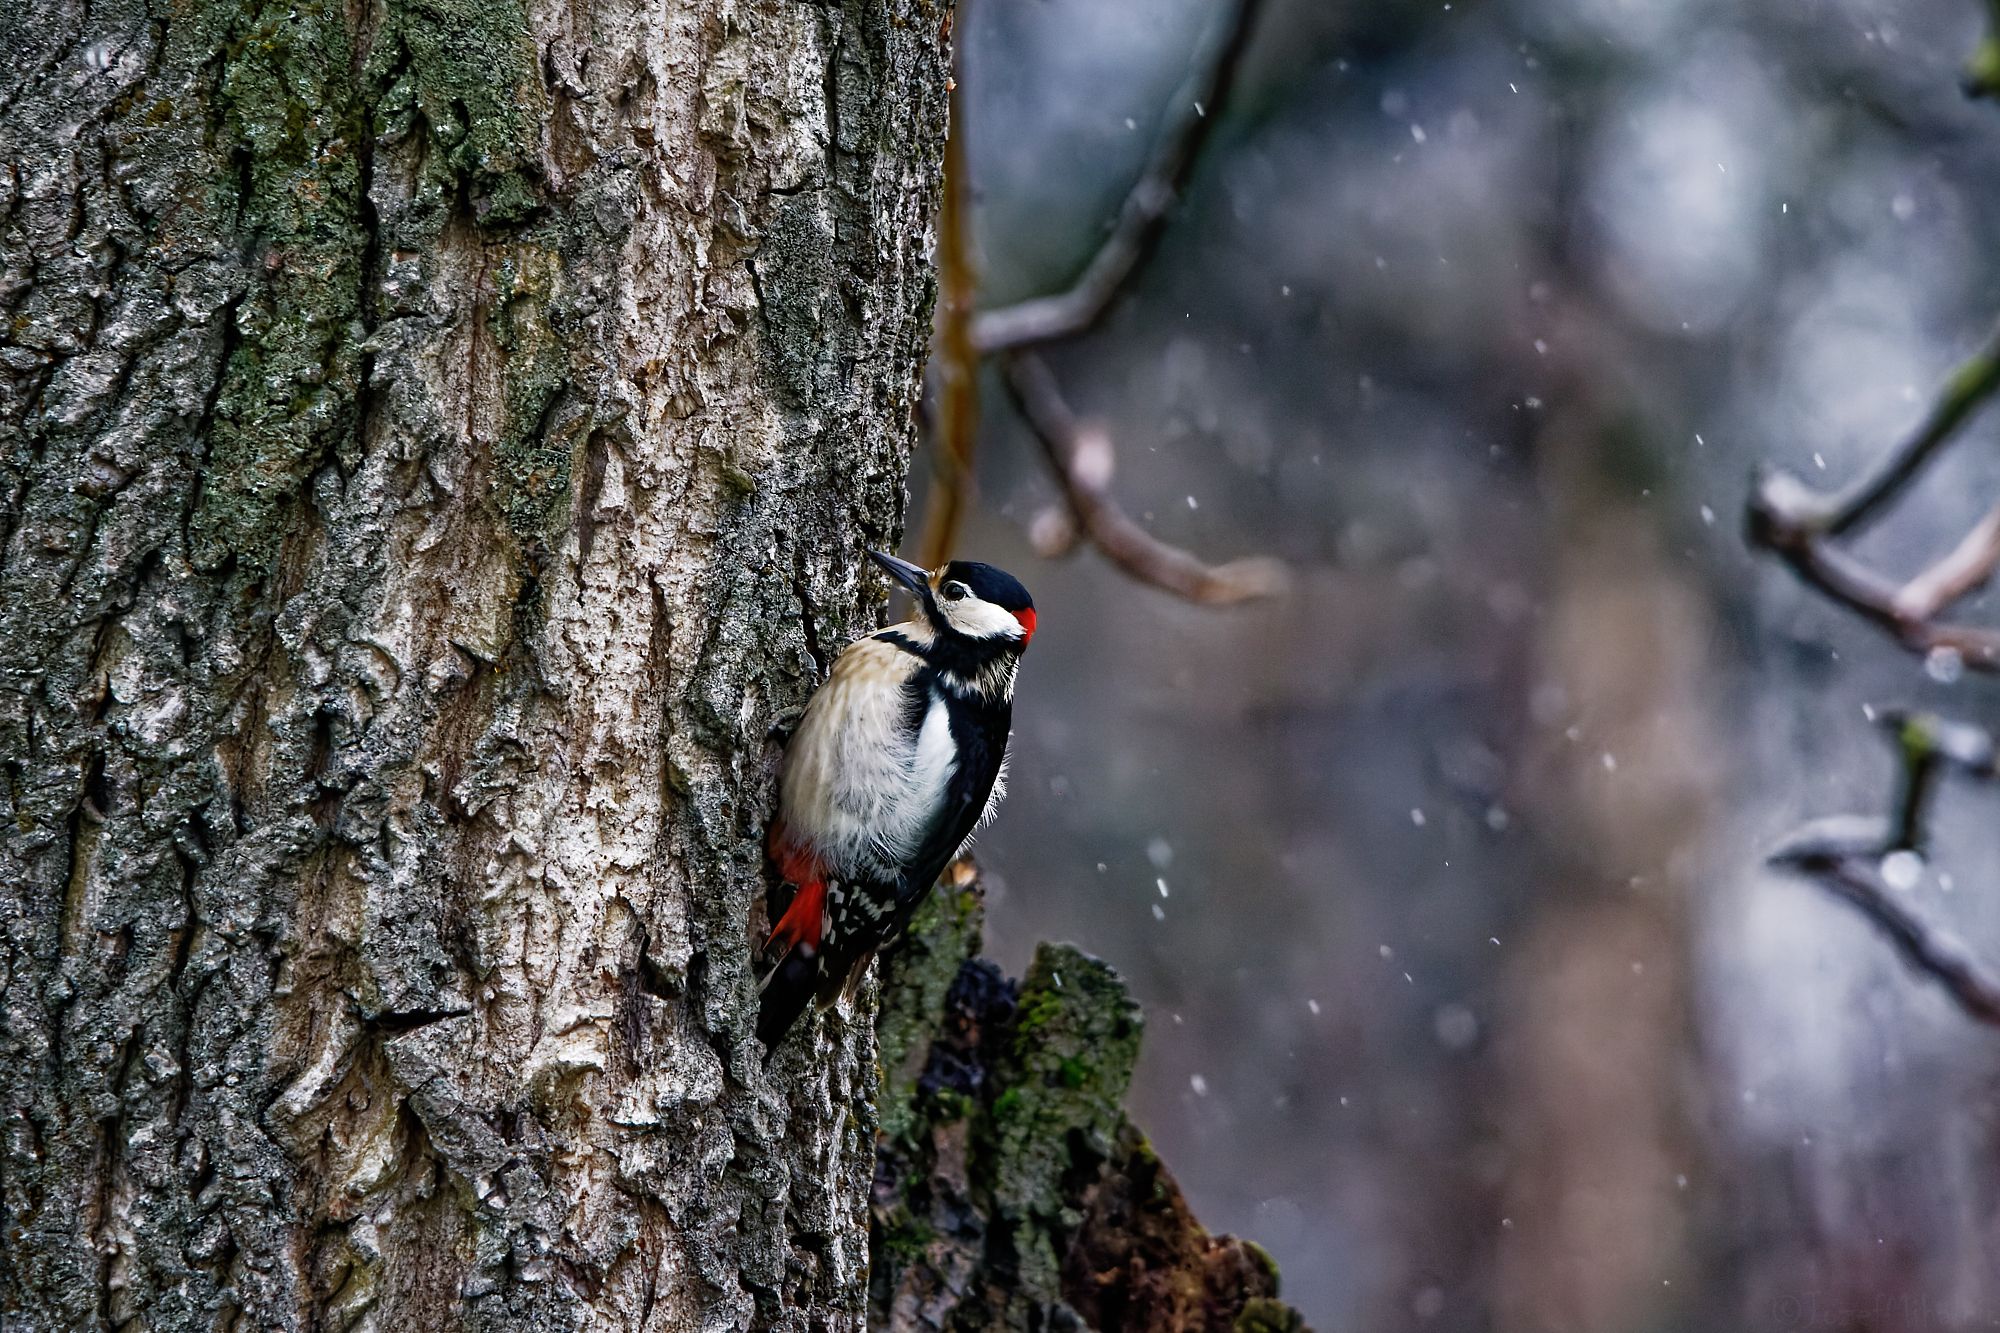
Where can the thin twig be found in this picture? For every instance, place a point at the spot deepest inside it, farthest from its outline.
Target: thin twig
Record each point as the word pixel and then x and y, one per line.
pixel 1799 523
pixel 957 358
pixel 1964 746
pixel 1853 584
pixel 1969 387
pixel 1082 462
pixel 1964 571
pixel 1190 118
pixel 1852 874
pixel 1844 854
pixel 1982 71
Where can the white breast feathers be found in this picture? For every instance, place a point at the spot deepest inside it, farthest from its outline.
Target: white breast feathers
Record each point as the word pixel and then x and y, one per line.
pixel 860 785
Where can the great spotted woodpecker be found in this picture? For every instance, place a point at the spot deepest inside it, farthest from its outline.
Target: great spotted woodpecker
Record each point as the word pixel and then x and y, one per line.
pixel 898 759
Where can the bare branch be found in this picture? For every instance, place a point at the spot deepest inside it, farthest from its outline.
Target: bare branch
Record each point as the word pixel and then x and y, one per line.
pixel 957 424
pixel 1082 462
pixel 1799 523
pixel 1827 855
pixel 1965 570
pixel 1844 854
pixel 1858 587
pixel 1190 118
pixel 1816 514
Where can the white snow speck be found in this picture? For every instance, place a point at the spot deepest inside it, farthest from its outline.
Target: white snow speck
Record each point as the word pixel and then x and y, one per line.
pixel 1902 869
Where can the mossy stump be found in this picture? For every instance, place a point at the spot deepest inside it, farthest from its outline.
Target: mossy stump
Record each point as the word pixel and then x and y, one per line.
pixel 1011 1191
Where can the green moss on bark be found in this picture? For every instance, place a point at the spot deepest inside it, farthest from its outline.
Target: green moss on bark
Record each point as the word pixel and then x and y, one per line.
pixel 1075 1041
pixel 532 461
pixel 287 98
pixel 944 932
pixel 468 68
pixel 461 74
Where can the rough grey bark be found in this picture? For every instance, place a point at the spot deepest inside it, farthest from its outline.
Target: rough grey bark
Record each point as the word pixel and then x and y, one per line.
pixel 439 438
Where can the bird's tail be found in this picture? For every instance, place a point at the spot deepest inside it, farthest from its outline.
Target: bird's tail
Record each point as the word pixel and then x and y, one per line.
pixel 795 942
pixel 786 992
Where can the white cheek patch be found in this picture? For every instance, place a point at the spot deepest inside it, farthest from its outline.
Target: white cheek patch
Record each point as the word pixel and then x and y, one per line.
pixel 979 619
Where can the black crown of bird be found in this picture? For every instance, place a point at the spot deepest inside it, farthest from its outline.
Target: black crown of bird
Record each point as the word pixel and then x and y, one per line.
pixel 900 756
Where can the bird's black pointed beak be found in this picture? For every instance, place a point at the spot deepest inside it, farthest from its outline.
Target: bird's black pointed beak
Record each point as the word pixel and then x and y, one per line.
pixel 914 577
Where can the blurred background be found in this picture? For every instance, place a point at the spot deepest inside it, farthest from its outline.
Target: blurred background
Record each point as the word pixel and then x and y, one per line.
pixel 1441 876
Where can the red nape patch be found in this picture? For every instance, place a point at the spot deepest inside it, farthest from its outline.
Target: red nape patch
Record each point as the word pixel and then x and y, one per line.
pixel 1027 619
pixel 802 921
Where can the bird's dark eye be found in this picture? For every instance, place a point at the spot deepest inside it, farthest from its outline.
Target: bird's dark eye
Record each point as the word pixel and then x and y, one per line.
pixel 953 591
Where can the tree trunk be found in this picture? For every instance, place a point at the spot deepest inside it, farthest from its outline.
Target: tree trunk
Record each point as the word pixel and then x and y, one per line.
pixel 440 437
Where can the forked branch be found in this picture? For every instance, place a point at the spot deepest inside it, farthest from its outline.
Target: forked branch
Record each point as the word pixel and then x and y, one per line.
pixel 1082 460
pixel 1845 856
pixel 1801 525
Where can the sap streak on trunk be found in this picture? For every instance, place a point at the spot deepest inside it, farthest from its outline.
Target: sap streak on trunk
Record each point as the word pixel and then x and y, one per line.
pixel 439 435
